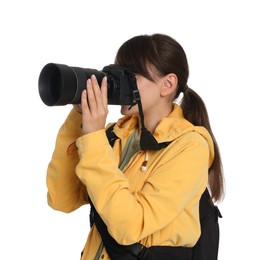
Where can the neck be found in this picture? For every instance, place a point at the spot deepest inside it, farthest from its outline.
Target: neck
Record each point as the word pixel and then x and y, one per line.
pixel 151 120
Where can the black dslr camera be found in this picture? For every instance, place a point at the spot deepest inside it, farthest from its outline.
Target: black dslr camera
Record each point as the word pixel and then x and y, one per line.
pixel 61 85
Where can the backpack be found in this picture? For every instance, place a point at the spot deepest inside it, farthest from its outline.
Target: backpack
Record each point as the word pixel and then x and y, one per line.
pixel 206 247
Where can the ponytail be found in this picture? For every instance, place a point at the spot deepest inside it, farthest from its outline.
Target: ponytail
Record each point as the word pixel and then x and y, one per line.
pixel 195 111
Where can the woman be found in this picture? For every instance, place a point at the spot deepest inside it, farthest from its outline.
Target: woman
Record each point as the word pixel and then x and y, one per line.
pixel 142 195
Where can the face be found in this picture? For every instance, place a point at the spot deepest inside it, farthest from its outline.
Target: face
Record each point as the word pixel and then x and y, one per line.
pixel 150 96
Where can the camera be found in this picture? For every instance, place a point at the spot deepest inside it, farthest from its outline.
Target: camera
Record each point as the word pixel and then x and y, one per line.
pixel 60 84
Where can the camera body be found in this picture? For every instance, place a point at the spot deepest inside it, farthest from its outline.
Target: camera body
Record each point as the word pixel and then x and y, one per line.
pixel 60 84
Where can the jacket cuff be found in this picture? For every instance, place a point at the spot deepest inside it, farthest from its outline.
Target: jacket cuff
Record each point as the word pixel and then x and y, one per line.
pixel 74 120
pixel 92 141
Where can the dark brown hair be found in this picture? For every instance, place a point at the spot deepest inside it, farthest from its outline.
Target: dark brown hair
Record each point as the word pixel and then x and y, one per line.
pixel 165 55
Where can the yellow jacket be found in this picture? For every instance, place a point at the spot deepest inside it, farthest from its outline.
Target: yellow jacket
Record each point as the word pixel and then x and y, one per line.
pixel 157 207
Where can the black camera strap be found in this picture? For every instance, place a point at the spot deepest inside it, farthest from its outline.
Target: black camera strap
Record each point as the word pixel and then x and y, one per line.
pixel 147 140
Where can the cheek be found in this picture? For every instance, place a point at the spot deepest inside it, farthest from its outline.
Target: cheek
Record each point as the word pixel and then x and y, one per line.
pixel 146 91
pixel 149 102
pixel 149 95
pixel 149 92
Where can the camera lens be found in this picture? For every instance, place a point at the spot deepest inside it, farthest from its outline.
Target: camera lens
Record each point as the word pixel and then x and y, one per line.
pixel 60 84
pixel 57 84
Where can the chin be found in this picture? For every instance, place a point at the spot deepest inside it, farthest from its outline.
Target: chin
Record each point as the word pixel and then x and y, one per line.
pixel 128 112
pixel 124 110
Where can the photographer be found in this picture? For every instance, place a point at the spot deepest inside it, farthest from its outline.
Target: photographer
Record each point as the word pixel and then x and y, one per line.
pixel 143 195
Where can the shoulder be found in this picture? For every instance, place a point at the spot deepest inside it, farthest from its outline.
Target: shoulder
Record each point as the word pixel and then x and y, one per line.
pixel 190 146
pixel 190 139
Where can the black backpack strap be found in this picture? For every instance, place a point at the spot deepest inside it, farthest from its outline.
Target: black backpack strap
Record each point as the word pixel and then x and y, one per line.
pixel 111 136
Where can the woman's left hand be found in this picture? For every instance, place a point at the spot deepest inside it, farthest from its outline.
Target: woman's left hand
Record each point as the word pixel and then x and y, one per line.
pixel 94 105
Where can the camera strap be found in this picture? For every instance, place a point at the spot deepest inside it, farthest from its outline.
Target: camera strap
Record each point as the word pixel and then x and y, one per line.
pixel 147 140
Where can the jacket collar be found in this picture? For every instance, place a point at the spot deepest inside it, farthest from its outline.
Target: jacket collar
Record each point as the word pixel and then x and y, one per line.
pixel 168 129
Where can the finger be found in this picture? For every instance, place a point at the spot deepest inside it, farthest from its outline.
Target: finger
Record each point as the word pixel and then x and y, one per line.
pixel 84 104
pixel 104 91
pixel 91 96
pixel 100 94
pixel 97 90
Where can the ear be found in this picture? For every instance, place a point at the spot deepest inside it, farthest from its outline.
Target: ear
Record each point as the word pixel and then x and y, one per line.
pixel 169 85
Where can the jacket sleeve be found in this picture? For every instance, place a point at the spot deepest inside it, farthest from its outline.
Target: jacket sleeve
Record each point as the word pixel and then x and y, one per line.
pixel 65 191
pixel 173 184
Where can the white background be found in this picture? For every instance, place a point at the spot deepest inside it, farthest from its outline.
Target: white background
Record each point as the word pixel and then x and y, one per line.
pixel 223 42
